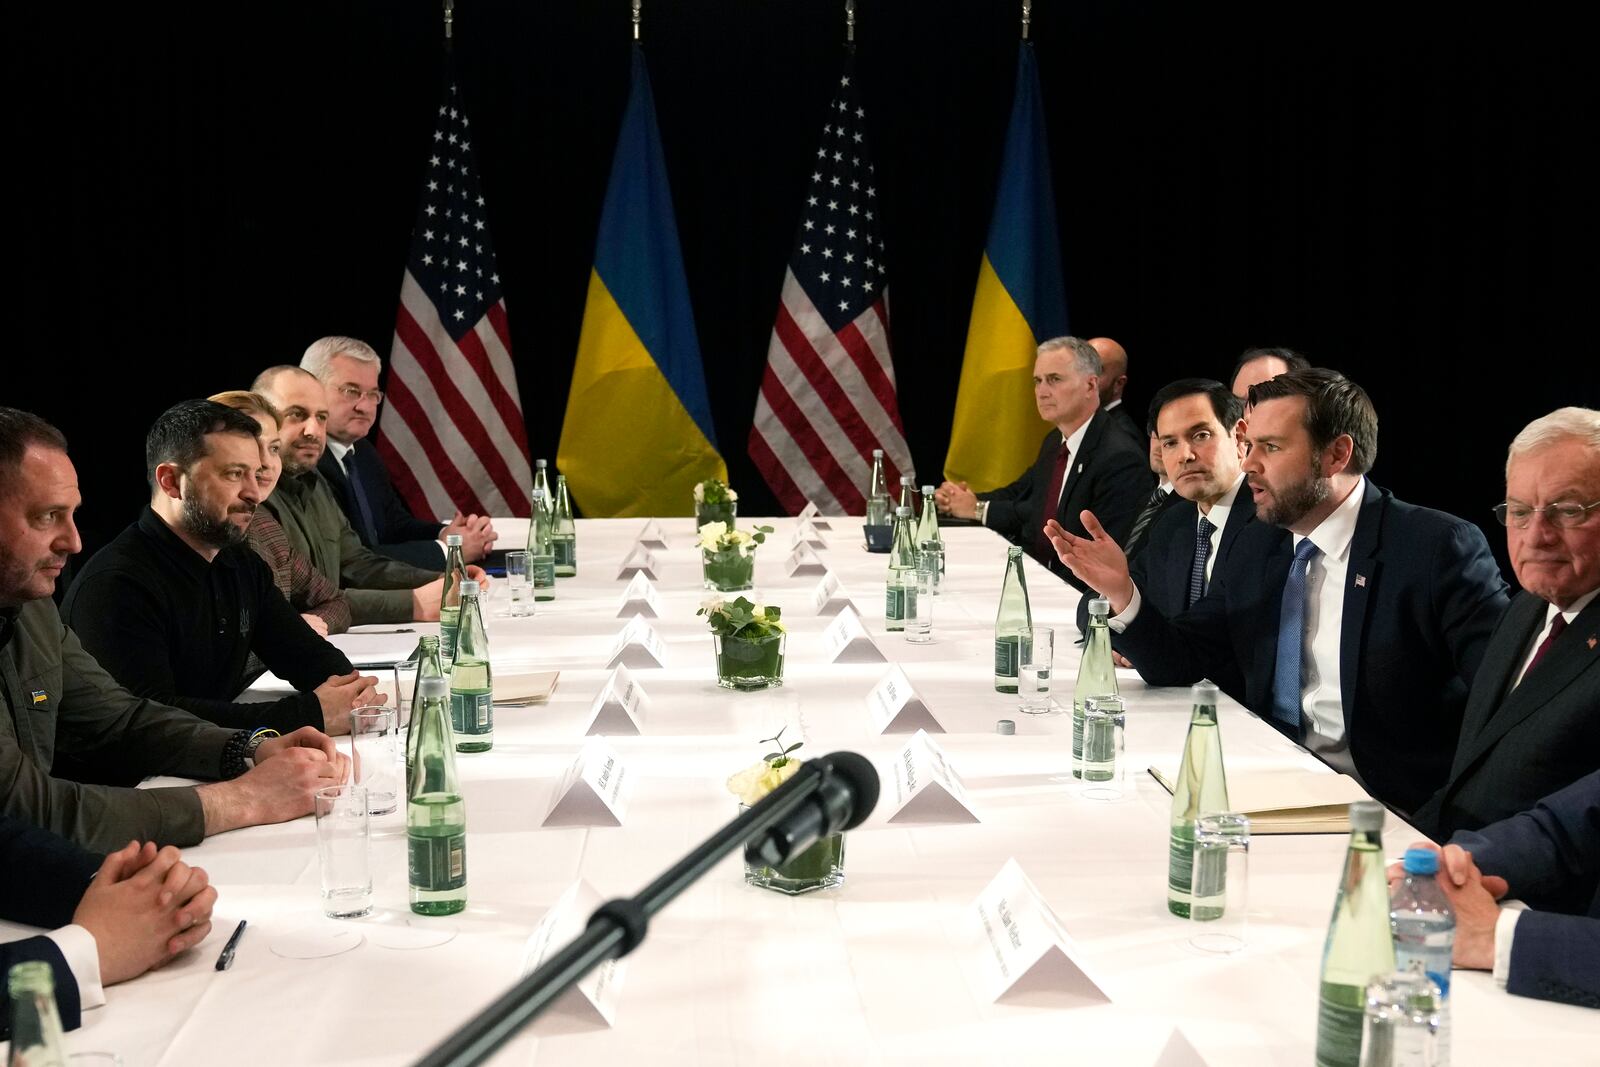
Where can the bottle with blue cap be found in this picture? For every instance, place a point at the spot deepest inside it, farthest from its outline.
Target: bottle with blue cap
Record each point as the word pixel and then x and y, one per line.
pixel 1424 926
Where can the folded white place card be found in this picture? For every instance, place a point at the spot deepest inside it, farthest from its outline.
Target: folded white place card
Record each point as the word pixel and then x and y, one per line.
pixel 1025 954
pixel 830 597
pixel 1179 1053
pixel 620 706
pixel 812 515
pixel 926 788
pixel 652 536
pixel 640 599
pixel 804 562
pixel 639 561
pixel 595 995
pixel 638 645
pixel 594 791
pixel 895 706
pixel 806 534
pixel 847 641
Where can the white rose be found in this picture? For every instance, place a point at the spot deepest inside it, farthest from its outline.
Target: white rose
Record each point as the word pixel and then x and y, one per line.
pixel 753 783
pixel 711 533
pixel 732 496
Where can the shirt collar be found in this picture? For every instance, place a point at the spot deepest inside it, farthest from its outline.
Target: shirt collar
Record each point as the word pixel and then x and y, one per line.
pixel 1334 534
pixel 1113 405
pixel 1076 440
pixel 167 539
pixel 1218 515
pixel 339 450
pixel 1570 612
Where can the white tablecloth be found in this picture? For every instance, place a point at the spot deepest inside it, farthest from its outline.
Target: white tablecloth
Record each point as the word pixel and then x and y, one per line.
pixel 880 970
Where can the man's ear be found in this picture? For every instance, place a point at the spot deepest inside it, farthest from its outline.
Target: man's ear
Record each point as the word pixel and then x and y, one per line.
pixel 168 480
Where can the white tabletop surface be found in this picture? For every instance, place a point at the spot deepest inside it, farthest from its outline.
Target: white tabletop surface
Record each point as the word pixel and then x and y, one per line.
pixel 882 969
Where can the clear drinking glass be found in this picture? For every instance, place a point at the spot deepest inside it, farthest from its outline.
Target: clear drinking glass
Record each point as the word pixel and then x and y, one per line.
pixel 931 554
pixel 344 831
pixel 1402 1023
pixel 405 680
pixel 1220 883
pixel 375 756
pixel 919 627
pixel 1105 763
pixel 517 582
pixel 1033 673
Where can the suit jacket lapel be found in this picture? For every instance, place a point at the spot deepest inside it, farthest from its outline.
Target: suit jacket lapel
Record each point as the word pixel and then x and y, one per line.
pixel 1274 573
pixel 1507 646
pixel 1568 657
pixel 1360 577
pixel 1068 504
pixel 1239 516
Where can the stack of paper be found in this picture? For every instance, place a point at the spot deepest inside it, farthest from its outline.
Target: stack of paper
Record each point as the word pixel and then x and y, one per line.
pixel 1289 802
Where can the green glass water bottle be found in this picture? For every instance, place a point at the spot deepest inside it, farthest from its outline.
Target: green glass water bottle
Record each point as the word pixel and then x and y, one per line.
pixel 471 684
pixel 564 535
pixel 900 584
pixel 36 1039
pixel 541 537
pixel 429 665
pixel 1360 944
pixel 436 816
pixel 1013 624
pixel 1201 789
pixel 1097 675
pixel 928 529
pixel 455 576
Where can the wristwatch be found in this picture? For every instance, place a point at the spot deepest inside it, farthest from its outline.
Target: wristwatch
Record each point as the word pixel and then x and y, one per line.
pixel 254 743
pixel 983 513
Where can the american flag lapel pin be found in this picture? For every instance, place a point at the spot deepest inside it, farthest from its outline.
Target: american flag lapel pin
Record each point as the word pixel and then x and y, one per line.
pixel 1361 581
pixel 1592 642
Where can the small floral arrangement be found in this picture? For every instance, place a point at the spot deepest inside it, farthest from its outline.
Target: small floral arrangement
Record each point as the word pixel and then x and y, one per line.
pixel 712 491
pixel 721 537
pixel 741 619
pixel 775 768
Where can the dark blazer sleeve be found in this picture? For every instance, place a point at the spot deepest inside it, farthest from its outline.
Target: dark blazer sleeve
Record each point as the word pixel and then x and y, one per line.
pixel 1556 957
pixel 42 950
pixel 125 629
pixel 395 521
pixel 1015 506
pixel 44 874
pixel 290 648
pixel 1550 855
pixel 1122 484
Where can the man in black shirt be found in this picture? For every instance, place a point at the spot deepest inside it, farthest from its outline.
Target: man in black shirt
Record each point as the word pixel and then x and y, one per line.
pixel 174 606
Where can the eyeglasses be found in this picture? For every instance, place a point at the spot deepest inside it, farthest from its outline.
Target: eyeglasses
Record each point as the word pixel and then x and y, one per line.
pixel 1565 513
pixel 350 392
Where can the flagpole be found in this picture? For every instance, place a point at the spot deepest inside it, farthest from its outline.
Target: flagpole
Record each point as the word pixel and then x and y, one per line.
pixel 850 22
pixel 636 6
pixel 1027 17
pixel 449 21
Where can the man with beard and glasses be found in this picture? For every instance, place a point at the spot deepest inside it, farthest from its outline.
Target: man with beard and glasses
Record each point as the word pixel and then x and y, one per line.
pixel 1350 620
pixel 175 605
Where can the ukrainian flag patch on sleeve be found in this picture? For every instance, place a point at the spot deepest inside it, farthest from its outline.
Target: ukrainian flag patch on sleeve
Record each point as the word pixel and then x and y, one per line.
pixel 40 696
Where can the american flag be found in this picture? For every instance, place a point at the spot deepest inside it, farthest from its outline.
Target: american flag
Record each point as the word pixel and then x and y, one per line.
pixel 452 433
pixel 828 396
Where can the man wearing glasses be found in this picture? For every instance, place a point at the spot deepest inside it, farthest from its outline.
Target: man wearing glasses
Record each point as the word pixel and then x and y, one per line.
pixel 350 368
pixel 1532 720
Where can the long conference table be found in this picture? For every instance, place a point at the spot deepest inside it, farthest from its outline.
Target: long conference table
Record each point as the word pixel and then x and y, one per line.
pixel 888 967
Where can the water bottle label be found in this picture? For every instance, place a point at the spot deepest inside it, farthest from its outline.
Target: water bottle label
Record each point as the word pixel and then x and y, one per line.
pixel 437 864
pixel 566 553
pixel 543 569
pixel 447 640
pixel 1339 1029
pixel 1077 733
pixel 1180 860
pixel 472 713
pixel 899 603
pixel 1006 656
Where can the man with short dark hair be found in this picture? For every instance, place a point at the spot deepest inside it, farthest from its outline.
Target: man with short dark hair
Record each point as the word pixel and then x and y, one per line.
pixel 349 369
pixel 1256 365
pixel 380 589
pixel 1350 620
pixel 1082 463
pixel 175 604
pixel 57 698
pixel 1532 721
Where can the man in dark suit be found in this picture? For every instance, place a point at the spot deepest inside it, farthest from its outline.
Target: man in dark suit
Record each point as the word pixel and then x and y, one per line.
pixel 350 368
pixel 1113 380
pixel 1548 858
pixel 1258 364
pixel 107 920
pixel 1532 722
pixel 1349 619
pixel 1196 419
pixel 1082 465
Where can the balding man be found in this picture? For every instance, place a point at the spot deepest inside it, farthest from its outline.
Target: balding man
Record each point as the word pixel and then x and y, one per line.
pixel 1256 365
pixel 1113 380
pixel 349 370
pixel 1082 464
pixel 1532 720
pixel 380 589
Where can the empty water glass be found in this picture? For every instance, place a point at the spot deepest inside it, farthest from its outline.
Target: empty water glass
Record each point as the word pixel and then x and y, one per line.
pixel 931 554
pixel 919 627
pixel 1220 883
pixel 344 830
pixel 375 756
pixel 1105 764
pixel 517 582
pixel 1033 673
pixel 1402 1027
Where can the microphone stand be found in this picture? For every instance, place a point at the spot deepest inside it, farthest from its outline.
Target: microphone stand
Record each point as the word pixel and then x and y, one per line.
pixel 618 926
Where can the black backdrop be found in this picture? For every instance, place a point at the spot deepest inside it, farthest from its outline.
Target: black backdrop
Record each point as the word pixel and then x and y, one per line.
pixel 202 190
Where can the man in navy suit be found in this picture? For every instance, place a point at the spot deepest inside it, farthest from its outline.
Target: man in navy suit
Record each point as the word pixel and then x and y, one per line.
pixel 1196 420
pixel 108 920
pixel 350 368
pixel 1083 463
pixel 1549 859
pixel 1532 721
pixel 1349 619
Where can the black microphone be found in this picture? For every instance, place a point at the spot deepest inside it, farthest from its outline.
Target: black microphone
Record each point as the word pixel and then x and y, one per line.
pixel 843 788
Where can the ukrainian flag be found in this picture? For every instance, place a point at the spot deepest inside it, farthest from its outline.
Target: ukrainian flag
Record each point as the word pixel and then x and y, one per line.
pixel 637 434
pixel 1019 304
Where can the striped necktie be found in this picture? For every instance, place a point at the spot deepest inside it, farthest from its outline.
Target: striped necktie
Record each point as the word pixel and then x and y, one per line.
pixel 1202 552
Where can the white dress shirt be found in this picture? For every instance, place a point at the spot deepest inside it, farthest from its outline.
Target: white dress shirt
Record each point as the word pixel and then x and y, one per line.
pixel 1321 700
pixel 1217 516
pixel 82 954
pixel 1551 611
pixel 1073 442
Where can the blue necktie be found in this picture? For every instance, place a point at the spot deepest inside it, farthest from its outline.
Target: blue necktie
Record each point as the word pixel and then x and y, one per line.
pixel 1202 552
pixel 369 531
pixel 1291 639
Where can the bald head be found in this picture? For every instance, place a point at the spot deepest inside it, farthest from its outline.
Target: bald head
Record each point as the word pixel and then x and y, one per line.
pixel 302 400
pixel 1114 375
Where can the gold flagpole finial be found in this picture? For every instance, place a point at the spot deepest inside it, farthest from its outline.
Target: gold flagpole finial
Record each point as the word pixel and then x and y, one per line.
pixel 850 21
pixel 449 18
pixel 1027 17
pixel 636 5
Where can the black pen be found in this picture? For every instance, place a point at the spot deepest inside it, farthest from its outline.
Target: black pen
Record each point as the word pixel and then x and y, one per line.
pixel 225 960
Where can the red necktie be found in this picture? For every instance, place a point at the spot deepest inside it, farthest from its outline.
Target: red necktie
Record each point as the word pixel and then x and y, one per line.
pixel 1047 509
pixel 1544 646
